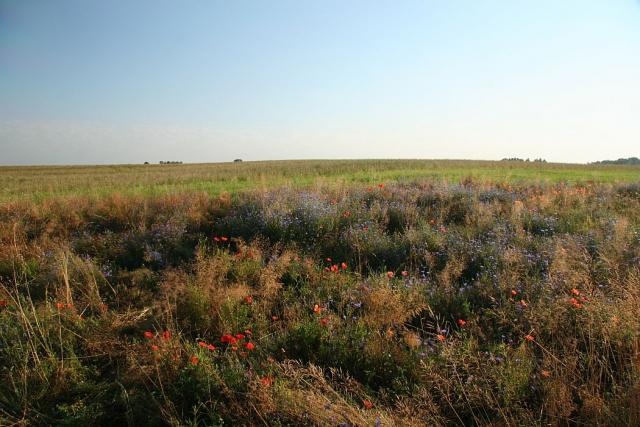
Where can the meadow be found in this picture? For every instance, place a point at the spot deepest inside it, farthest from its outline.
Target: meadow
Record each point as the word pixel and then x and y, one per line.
pixel 349 293
pixel 37 183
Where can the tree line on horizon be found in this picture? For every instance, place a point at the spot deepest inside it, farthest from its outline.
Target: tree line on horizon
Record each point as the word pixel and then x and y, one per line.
pixel 518 159
pixel 621 161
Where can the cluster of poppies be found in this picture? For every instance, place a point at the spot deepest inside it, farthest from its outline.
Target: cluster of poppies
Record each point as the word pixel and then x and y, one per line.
pixel 577 300
pixel 379 186
pixel 206 345
pixel 391 274
pixel 220 239
pixel 165 336
pixel 335 268
pixel 62 306
pixel 247 254
pixel 234 342
pixel 522 303
pixel 442 338
pixel 318 310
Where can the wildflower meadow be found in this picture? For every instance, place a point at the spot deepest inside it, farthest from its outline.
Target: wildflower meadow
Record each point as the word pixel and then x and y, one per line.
pixel 417 302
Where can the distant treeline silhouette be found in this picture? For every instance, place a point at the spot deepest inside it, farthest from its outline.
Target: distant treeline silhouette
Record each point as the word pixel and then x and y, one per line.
pixel 628 161
pixel 169 162
pixel 518 159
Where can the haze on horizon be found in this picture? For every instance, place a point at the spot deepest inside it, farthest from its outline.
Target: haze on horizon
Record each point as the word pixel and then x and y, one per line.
pixel 94 82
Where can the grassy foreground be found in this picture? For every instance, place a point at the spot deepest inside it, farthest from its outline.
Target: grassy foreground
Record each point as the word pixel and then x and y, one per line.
pixel 430 302
pixel 42 182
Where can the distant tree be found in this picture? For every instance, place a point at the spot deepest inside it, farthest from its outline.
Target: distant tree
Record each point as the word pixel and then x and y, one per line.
pixel 518 159
pixel 627 161
pixel 237 161
pixel 146 163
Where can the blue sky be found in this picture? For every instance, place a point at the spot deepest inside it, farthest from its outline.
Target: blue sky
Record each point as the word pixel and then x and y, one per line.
pixel 206 81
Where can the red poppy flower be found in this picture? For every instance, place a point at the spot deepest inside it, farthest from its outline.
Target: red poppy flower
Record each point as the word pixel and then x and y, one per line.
pixel 514 292
pixel 248 299
pixel 166 335
pixel 228 339
pixel 59 306
pixel 324 321
pixel 266 381
pixel 462 322
pixel 194 360
pixel 317 309
pixel 545 374
pixel 575 291
pixel 529 337
pixel 202 344
pixel 367 403
pixel 390 274
pixel 328 260
pixel 249 346
pixel 575 303
pixel 211 347
pixel 343 265
pixel 334 268
pixel 224 239
pixel 441 338
pixel 240 336
pixel 234 348
pixel 148 334
pixel 380 185
pixel 154 347
pixel 216 238
pixel 523 303
pixel 247 331
pixel 274 318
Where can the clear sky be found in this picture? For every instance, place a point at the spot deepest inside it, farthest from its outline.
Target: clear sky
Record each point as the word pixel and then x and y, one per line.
pixel 123 81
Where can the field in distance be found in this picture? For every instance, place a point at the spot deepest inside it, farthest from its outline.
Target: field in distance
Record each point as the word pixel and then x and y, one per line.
pixel 43 182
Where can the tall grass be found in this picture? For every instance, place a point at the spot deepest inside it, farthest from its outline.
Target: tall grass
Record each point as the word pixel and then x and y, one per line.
pixel 394 304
